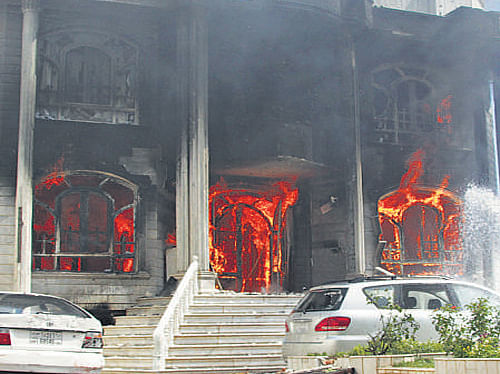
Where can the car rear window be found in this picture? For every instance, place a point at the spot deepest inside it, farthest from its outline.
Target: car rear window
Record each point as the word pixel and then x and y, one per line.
pixel 37 304
pixel 319 300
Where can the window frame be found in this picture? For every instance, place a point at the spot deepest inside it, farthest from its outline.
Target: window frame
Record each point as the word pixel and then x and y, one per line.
pixel 388 124
pixel 113 213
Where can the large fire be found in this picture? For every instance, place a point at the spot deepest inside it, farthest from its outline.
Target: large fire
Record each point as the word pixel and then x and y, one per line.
pixel 77 228
pixel 420 226
pixel 246 235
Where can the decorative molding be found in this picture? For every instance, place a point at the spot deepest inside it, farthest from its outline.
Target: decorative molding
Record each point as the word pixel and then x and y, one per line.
pixel 30 5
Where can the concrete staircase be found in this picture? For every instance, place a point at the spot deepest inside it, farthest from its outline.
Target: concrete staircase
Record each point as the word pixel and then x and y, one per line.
pixel 224 332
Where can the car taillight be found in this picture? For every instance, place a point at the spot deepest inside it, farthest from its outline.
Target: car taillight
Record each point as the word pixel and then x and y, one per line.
pixel 4 337
pixel 333 324
pixel 92 340
pixel 286 327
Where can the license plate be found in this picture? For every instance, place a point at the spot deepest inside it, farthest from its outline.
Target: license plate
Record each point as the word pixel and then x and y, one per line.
pixel 46 337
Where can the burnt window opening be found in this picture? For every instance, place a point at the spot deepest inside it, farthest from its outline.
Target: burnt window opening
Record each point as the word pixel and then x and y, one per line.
pixel 88 76
pixel 84 223
pixel 402 105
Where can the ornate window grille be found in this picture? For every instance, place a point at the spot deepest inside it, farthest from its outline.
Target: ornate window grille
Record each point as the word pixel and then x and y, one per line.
pixel 84 222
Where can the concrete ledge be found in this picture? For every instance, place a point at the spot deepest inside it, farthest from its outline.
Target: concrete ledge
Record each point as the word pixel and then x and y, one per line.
pixel 467 365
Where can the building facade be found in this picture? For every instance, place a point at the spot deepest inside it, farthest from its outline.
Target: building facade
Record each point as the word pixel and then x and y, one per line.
pixel 284 144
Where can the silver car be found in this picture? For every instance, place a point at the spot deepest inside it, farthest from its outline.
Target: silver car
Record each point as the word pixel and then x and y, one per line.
pixel 337 317
pixel 47 334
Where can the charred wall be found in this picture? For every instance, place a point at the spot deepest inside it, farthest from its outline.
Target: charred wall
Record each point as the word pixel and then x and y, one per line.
pixel 131 137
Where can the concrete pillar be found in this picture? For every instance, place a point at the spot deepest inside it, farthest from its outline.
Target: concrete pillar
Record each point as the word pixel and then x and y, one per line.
pixel 193 161
pixel 359 225
pixel 24 187
pixel 491 262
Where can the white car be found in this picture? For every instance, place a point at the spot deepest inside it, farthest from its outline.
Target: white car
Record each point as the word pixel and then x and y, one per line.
pixel 47 334
pixel 337 317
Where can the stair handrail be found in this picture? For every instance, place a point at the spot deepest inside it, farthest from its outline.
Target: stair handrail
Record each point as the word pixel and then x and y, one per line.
pixel 169 323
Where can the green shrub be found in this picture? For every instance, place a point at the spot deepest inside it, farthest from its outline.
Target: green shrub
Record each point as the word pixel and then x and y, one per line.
pixel 404 346
pixel 396 327
pixel 472 332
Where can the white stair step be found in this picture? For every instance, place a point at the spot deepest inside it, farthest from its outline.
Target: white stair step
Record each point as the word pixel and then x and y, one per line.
pixel 129 340
pixel 137 320
pixel 238 307
pixel 221 318
pixel 217 338
pixel 133 351
pixel 156 310
pixel 129 362
pixel 129 330
pixel 224 370
pixel 211 350
pixel 233 361
pixel 128 371
pixel 150 301
pixel 248 299
pixel 227 328
pixel 211 370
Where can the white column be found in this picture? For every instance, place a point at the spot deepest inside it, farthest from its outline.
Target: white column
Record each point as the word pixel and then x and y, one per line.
pixel 193 163
pixel 359 225
pixel 24 187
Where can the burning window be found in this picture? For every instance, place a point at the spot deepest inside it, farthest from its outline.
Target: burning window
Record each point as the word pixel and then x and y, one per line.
pixel 84 223
pixel 420 227
pixel 247 241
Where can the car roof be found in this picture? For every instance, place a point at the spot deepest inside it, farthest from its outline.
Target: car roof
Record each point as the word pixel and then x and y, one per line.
pixel 362 282
pixel 32 294
pixel 41 295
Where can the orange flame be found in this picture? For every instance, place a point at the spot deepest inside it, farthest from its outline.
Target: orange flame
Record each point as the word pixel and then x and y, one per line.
pixel 55 178
pixel 246 229
pixel 444 111
pixel 420 226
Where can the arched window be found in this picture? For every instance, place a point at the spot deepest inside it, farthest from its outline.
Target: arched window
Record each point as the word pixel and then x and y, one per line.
pixel 420 231
pixel 84 222
pixel 88 76
pixel 403 104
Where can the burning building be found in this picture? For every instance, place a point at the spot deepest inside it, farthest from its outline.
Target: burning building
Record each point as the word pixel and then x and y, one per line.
pixel 283 143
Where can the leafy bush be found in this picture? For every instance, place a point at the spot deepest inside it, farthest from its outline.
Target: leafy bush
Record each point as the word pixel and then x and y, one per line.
pixel 397 331
pixel 405 346
pixel 472 332
pixel 396 327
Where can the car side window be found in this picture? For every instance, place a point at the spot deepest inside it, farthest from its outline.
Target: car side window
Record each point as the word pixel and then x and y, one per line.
pixel 424 296
pixel 381 296
pixel 467 294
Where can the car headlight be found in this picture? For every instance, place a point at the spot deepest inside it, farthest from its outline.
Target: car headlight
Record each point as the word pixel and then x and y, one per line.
pixel 92 340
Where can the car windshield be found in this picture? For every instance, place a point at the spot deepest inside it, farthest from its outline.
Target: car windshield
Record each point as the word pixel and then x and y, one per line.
pixel 37 304
pixel 319 300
